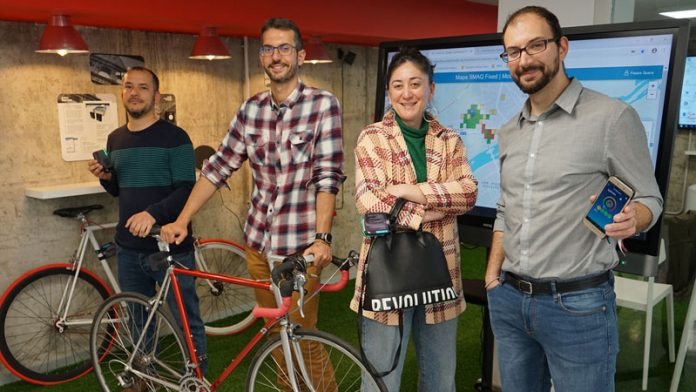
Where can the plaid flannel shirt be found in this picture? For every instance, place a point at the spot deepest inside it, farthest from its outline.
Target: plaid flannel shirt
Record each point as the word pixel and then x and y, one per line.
pixel 294 149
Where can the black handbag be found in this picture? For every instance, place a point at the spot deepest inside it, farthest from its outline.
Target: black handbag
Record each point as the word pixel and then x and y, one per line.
pixel 404 269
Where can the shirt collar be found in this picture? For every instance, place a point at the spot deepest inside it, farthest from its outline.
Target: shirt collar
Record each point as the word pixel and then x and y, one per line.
pixel 566 101
pixel 291 100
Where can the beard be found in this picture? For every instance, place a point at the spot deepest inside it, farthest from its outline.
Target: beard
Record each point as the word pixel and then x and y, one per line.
pixel 547 74
pixel 281 78
pixel 138 113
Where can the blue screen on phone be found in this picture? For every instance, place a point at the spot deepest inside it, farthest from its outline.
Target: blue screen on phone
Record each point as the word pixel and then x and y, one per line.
pixel 609 203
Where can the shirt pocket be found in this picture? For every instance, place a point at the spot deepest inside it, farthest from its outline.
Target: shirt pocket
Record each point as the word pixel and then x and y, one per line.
pixel 302 145
pixel 257 147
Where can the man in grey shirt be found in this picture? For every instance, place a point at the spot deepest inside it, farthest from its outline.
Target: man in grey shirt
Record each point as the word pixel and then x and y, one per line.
pixel 549 282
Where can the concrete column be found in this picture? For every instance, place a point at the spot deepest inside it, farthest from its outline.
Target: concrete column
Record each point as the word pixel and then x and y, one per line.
pixel 623 11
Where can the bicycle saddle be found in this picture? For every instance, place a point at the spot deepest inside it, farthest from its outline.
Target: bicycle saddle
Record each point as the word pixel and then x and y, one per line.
pixel 74 212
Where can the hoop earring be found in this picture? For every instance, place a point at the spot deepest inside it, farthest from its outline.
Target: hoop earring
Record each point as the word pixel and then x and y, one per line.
pixel 430 111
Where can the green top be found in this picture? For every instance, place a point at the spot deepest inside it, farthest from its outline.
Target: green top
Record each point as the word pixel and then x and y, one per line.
pixel 415 141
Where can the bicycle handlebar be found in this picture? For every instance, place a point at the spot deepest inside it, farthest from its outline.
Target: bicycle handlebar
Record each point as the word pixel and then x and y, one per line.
pixel 259 312
pixel 289 276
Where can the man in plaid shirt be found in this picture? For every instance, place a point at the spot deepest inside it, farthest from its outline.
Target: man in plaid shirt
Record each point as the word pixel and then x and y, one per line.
pixel 291 137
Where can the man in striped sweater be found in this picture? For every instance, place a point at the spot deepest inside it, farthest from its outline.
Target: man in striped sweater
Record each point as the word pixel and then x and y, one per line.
pixel 153 174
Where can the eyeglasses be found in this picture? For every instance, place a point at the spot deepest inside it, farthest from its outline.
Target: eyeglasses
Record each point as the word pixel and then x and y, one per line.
pixel 284 49
pixel 534 47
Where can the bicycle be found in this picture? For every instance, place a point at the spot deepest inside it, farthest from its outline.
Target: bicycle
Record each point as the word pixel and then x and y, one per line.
pixel 46 313
pixel 148 349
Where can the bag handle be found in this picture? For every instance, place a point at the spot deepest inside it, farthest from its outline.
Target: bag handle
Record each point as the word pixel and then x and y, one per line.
pixel 396 209
pixel 364 358
pixel 393 214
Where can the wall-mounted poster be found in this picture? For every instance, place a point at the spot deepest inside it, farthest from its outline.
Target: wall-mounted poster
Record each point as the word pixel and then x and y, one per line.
pixel 85 121
pixel 167 108
pixel 110 68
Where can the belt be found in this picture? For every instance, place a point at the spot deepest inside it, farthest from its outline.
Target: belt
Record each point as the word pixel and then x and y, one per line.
pixel 546 287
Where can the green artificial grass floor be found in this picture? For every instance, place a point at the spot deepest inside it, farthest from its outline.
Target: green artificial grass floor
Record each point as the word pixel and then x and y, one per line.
pixel 336 318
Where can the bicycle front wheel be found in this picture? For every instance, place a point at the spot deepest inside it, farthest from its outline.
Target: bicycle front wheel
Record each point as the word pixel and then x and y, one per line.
pixel 225 308
pixel 321 360
pixel 140 355
pixel 37 343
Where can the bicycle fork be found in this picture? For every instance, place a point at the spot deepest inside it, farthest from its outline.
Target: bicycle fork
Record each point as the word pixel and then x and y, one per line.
pixel 290 344
pixel 141 351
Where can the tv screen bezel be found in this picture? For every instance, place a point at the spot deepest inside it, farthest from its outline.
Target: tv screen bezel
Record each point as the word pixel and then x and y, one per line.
pixel 481 217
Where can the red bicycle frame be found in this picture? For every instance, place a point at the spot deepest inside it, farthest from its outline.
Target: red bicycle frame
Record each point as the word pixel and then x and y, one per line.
pixel 271 314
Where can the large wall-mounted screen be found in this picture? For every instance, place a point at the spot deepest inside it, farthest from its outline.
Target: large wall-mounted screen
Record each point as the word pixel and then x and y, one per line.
pixel 687 109
pixel 641 64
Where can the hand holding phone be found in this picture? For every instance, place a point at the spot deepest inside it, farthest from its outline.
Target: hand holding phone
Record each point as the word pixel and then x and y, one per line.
pixel 610 201
pixel 375 224
pixel 102 157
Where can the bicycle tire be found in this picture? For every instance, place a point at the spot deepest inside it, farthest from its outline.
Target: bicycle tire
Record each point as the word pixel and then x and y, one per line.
pixel 225 308
pixel 343 368
pixel 164 361
pixel 31 345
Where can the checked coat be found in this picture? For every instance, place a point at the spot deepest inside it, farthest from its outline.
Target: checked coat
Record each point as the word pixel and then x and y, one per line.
pixel 382 159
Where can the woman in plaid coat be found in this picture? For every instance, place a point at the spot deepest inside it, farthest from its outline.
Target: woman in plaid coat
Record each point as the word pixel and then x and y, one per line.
pixel 410 155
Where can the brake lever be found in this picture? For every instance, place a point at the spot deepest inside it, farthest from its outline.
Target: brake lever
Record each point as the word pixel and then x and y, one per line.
pixel 300 281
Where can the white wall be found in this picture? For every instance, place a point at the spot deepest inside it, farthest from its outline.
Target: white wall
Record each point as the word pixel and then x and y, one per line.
pixel 569 12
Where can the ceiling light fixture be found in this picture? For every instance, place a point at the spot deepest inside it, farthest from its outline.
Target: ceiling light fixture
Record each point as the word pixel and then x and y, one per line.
pixel 315 52
pixel 209 46
pixel 680 14
pixel 61 37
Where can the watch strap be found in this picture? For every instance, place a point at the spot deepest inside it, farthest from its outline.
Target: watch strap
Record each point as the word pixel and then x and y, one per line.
pixel 326 237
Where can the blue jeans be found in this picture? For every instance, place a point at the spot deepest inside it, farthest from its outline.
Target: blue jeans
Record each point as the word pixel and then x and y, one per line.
pixel 436 350
pixel 570 338
pixel 135 275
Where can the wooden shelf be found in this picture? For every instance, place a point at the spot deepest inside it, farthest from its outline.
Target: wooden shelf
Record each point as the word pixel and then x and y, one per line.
pixel 65 190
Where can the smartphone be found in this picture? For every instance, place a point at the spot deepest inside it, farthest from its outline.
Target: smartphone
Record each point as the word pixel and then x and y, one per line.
pixel 102 157
pixel 375 224
pixel 610 201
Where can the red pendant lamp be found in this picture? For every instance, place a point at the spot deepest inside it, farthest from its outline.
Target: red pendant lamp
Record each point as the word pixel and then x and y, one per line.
pixel 315 51
pixel 209 46
pixel 61 37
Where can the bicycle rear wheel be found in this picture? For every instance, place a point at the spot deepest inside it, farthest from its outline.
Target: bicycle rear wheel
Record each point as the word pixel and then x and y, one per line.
pixel 225 308
pixel 337 367
pixel 159 363
pixel 35 344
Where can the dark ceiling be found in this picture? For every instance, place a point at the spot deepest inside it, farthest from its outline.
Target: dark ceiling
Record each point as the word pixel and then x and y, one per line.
pixel 362 22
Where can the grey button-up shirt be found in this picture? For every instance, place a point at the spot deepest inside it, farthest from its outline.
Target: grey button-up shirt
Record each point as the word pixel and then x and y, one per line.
pixel 549 167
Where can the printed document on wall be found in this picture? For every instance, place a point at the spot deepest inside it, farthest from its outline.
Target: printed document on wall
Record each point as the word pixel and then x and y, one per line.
pixel 85 121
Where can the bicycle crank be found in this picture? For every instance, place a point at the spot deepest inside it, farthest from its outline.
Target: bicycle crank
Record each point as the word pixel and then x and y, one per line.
pixel 193 384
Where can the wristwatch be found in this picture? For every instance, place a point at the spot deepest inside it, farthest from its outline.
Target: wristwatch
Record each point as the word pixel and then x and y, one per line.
pixel 326 237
